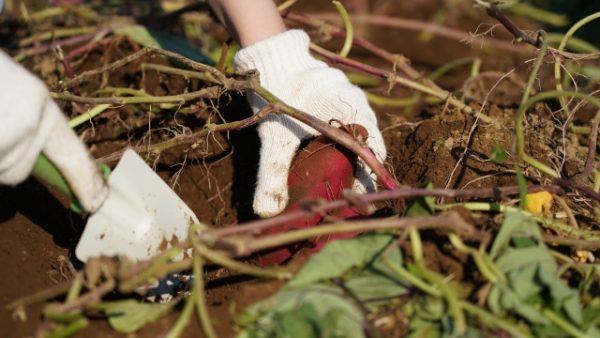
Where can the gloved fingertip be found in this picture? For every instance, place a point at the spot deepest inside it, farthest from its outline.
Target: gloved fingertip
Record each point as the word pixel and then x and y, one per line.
pixel 270 203
pixel 93 203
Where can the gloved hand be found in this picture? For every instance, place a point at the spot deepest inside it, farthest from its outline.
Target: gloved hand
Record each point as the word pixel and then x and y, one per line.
pixel 31 123
pixel 288 70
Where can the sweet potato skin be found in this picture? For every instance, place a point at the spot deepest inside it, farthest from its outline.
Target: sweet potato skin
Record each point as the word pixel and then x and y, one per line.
pixel 320 171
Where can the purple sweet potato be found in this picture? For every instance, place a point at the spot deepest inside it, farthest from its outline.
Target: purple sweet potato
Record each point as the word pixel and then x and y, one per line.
pixel 320 171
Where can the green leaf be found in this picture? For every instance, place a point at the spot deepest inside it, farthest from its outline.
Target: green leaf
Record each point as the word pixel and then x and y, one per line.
pixel 564 298
pixel 511 301
pixel 139 34
pixel 591 315
pixel 425 331
pixel 549 330
pixel 498 154
pixel 128 316
pixel 336 315
pixel 163 40
pixel 340 256
pixel 533 283
pixel 421 206
pixel 593 332
pixel 375 290
pixel 180 45
pixel 515 224
pixel 523 282
pixel 514 259
pixel 592 72
pixel 302 323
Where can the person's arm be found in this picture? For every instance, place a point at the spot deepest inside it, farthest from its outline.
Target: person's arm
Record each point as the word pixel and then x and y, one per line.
pixel 249 21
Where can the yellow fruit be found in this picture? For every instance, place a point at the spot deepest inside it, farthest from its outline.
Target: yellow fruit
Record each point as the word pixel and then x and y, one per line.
pixel 537 202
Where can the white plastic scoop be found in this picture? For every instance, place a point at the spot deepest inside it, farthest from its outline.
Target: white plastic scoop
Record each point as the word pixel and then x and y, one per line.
pixel 140 217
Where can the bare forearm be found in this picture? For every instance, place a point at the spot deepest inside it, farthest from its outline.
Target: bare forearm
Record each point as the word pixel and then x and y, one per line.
pixel 249 21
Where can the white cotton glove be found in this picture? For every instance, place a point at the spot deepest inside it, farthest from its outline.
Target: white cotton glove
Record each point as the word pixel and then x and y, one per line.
pixel 291 73
pixel 31 123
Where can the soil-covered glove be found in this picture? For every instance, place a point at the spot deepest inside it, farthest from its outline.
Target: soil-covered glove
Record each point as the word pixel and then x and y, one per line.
pixel 31 123
pixel 290 72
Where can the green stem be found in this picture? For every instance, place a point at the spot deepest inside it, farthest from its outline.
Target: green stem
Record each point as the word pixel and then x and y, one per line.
pixel 363 80
pixel 40 296
pixel 406 276
pixel 536 66
pixel 558 227
pixel 579 129
pixel 558 59
pixel 231 264
pixel 46 13
pixel 416 246
pixel 120 91
pixel 574 43
pixel 209 92
pixel 520 139
pixel 487 268
pixel 69 330
pixel 60 317
pixel 56 33
pixel 522 187
pixel 221 259
pixel 450 221
pixel 450 296
pixel 347 27
pixel 445 68
pixel 384 101
pixel 495 321
pixel 476 67
pixel 440 94
pixel 563 324
pixel 184 317
pixel 75 288
pixel 532 12
pixel 88 115
pixel 504 4
pixel 440 71
pixel 201 310
pixel 519 128
pixel 150 272
pixel 186 74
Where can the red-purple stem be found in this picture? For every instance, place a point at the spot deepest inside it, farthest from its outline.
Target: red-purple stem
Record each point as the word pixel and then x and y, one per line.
pixel 61 43
pixel 258 226
pixel 574 186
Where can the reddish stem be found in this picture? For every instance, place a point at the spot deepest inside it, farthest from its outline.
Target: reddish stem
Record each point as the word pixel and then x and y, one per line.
pixel 395 59
pixel 60 43
pixel 69 73
pixel 578 187
pixel 99 40
pixel 436 29
pixel 258 226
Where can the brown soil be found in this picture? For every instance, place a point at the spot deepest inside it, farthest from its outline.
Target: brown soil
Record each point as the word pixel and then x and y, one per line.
pixel 37 233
